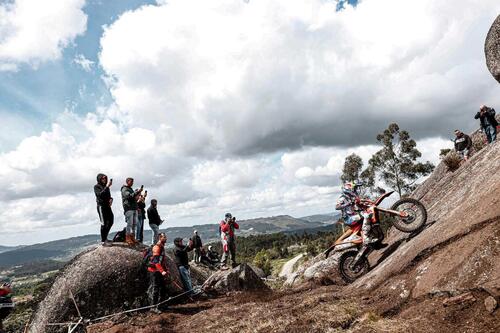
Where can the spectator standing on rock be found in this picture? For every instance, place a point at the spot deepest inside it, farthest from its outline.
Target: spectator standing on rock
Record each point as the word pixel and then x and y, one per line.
pixel 104 202
pixel 158 272
pixel 141 216
pixel 486 116
pixel 129 200
pixel 154 220
pixel 463 144
pixel 227 228
pixel 197 244
pixel 182 262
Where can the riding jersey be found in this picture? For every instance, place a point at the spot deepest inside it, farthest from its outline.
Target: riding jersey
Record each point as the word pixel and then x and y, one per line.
pixel 349 209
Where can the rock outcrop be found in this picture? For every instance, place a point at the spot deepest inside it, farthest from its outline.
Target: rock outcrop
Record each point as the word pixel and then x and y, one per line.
pixel 241 278
pixel 492 49
pixel 290 266
pixel 103 280
pixel 318 270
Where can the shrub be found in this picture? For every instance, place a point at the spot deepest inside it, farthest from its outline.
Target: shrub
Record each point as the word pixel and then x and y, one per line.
pixel 452 160
pixel 478 142
pixel 311 249
pixel 444 152
pixel 263 261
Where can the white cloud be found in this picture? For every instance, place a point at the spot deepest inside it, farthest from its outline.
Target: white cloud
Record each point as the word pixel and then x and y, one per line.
pixel 33 31
pixel 83 62
pixel 241 78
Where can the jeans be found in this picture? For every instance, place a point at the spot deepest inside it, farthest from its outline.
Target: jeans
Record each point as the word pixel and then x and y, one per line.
pixel 185 278
pixel 156 230
pixel 106 217
pixel 139 235
pixel 131 220
pixel 491 133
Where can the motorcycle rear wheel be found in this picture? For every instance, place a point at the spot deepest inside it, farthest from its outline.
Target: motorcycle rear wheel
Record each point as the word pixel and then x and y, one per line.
pixel 417 215
pixel 348 274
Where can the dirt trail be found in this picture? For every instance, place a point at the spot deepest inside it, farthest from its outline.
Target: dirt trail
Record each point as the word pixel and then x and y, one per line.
pixel 322 309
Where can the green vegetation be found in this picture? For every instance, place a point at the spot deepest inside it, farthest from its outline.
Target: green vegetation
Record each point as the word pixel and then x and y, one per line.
pixel 396 163
pixel 352 171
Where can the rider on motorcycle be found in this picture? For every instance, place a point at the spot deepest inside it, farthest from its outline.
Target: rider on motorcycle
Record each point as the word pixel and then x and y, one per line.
pixel 352 213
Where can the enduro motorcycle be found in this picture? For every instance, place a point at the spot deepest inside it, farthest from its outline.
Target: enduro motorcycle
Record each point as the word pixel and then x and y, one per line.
pixel 407 215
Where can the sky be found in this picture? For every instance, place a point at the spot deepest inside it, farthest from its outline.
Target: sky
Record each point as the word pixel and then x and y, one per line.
pixel 247 106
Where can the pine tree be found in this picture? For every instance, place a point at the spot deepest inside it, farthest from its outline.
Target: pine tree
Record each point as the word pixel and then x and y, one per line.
pixel 396 163
pixel 352 171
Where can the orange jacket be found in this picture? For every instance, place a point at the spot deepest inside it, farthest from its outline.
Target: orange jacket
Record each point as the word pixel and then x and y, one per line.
pixel 158 262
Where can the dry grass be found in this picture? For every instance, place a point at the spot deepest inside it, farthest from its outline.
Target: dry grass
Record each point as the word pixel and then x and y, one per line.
pixel 452 161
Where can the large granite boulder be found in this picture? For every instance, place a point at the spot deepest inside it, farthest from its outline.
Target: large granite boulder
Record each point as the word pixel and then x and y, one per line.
pixel 241 278
pixel 492 49
pixel 104 280
pixel 319 270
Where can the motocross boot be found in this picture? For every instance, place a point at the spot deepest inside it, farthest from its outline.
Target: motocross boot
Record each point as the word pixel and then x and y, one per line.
pixel 365 229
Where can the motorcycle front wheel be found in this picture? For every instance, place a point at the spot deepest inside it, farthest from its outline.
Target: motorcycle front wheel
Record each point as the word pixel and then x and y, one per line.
pixel 350 274
pixel 416 215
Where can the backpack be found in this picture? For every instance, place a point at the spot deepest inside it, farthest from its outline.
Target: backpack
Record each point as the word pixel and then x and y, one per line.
pixel 120 236
pixel 147 254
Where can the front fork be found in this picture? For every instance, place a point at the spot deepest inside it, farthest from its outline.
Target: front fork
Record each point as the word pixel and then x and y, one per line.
pixel 363 252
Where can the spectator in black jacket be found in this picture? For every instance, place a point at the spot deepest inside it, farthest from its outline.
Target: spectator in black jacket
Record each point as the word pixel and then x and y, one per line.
pixel 182 262
pixel 104 202
pixel 154 220
pixel 197 245
pixel 489 124
pixel 463 144
pixel 212 255
pixel 141 216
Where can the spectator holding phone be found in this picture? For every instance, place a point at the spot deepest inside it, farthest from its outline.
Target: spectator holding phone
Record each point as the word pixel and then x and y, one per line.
pixel 104 202
pixel 129 201
pixel 141 216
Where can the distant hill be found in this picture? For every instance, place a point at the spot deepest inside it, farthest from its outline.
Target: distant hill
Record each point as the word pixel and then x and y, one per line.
pixel 65 249
pixel 8 248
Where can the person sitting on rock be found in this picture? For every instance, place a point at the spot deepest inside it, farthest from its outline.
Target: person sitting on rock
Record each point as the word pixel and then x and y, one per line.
pixel 212 255
pixel 182 262
pixel 463 144
pixel 158 272
pixel 351 213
